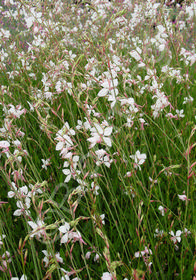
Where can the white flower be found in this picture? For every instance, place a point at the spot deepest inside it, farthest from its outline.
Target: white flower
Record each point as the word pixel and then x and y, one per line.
pixel 58 258
pixel 96 258
pixel 102 218
pixel 106 276
pixel 4 144
pixel 65 277
pixel 66 274
pixel 65 141
pixel 22 207
pixel 108 85
pixel 103 158
pixel 142 253
pixel 162 210
pixel 48 257
pixel 4 33
pixel 71 171
pixel 68 173
pixel 88 254
pixel 180 113
pixel 75 235
pixel 182 197
pixel 34 189
pixel 1 238
pixel 45 163
pixel 186 231
pixel 31 106
pixel 64 229
pixel 17 143
pixel 12 193
pixel 158 233
pixel 135 55
pixel 37 228
pixel 22 278
pixel 94 188
pixel 131 102
pixel 16 111
pixel 72 56
pixel 139 159
pixel 176 237
pixel 188 99
pixel 112 97
pixel 100 133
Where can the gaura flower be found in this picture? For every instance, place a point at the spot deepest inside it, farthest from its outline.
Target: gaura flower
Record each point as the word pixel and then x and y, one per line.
pixel 106 276
pixel 176 237
pixel 162 210
pixel 37 227
pixel 139 159
pixel 65 230
pixel 100 134
pixel 22 278
pixel 4 144
pixel 182 197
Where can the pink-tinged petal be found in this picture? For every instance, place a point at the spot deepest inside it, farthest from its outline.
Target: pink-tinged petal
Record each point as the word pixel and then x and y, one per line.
pixel 172 233
pixel 87 256
pixel 98 128
pixel 93 141
pixel 106 83
pixel 178 238
pixel 65 228
pixel 66 164
pixel 108 141
pixel 65 277
pixel 96 258
pixel 182 197
pixel 24 190
pixel 142 160
pixel 27 202
pixel 68 140
pixel 108 131
pixel 64 239
pixel 137 254
pixel 162 210
pixel 66 171
pixel 58 258
pixel 59 146
pixel 186 231
pixel 67 179
pixel 4 144
pixel 32 224
pixel 103 92
pixel 19 204
pixel 115 83
pixel 11 194
pixel 135 55
pixel 45 252
pixel 46 260
pixel 106 276
pixel 178 232
pixel 18 212
pixel 68 155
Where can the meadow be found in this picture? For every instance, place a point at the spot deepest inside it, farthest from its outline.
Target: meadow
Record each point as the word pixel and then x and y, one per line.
pixel 97 140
